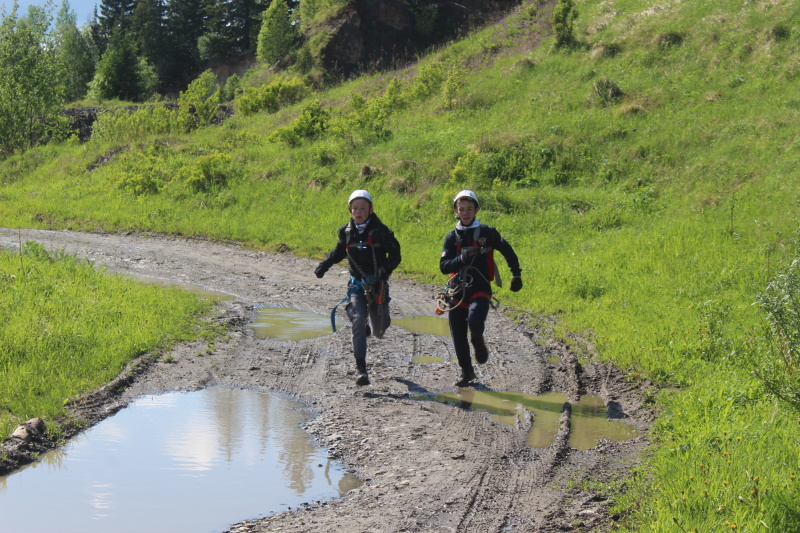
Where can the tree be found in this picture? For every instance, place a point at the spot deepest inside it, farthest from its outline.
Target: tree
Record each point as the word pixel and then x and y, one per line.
pixel 150 33
pixel 232 28
pixel 278 34
pixel 186 23
pixel 113 14
pixel 76 53
pixel 31 93
pixel 121 73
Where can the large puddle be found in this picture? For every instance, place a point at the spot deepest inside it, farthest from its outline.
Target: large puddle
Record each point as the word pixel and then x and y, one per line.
pixel 287 324
pixel 588 423
pixel 176 462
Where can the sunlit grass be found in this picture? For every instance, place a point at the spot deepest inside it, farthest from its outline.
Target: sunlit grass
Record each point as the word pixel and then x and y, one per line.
pixel 69 328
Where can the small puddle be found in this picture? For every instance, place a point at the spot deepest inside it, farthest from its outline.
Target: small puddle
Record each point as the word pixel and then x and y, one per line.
pixel 176 462
pixel 426 359
pixel 286 324
pixel 588 423
pixel 432 325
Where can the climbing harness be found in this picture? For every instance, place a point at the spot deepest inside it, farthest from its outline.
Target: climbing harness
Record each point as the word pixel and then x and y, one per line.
pixel 452 295
pixel 375 293
pixel 373 287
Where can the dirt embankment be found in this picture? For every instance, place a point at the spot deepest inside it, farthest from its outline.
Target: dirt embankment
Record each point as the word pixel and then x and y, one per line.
pixel 426 465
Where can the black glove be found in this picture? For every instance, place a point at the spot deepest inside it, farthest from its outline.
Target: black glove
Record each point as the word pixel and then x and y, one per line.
pixel 516 283
pixel 320 270
pixel 382 274
pixel 469 252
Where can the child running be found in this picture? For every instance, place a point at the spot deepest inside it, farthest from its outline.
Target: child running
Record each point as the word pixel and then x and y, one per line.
pixel 468 257
pixel 373 253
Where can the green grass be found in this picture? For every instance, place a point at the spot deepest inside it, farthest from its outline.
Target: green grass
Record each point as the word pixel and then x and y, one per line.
pixel 69 328
pixel 647 178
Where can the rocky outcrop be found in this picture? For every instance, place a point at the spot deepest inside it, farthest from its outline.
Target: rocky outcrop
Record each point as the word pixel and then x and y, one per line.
pixel 81 120
pixel 386 33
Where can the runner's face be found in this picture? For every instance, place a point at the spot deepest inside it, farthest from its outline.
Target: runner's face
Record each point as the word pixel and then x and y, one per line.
pixel 465 211
pixel 360 210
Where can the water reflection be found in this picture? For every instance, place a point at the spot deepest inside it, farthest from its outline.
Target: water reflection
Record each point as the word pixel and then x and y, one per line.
pixel 175 462
pixel 286 324
pixel 588 422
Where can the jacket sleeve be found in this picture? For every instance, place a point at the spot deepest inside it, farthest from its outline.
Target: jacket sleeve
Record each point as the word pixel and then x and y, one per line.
pixel 393 256
pixel 450 261
pixel 502 246
pixel 337 254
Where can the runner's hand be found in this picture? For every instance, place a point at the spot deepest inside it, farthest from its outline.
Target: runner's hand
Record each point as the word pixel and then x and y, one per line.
pixel 516 283
pixel 469 252
pixel 320 271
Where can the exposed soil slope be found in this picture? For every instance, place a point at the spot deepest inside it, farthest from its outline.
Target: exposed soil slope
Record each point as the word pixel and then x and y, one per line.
pixel 426 465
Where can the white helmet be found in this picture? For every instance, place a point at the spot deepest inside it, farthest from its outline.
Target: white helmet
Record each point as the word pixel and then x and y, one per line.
pixel 466 194
pixel 360 194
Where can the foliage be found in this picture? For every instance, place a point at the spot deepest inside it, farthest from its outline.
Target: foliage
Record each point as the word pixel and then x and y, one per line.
pixel 776 362
pixel 125 124
pixel 121 73
pixel 231 28
pixel 76 54
pixel 179 62
pixel 30 90
pixel 197 107
pixel 199 103
pixel 311 124
pixel 278 35
pixel 564 16
pixel 206 174
pixel 231 88
pixel 280 93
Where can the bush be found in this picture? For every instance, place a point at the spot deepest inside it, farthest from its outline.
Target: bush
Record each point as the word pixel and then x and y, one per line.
pixel 207 173
pixel 126 124
pixel 564 16
pixel 311 124
pixel 272 97
pixel 199 103
pixel 776 360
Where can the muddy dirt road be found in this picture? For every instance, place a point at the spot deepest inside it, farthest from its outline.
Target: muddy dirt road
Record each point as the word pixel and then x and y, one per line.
pixel 426 466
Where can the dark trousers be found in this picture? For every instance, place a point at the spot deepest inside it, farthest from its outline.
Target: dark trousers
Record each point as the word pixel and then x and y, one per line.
pixel 357 311
pixel 473 319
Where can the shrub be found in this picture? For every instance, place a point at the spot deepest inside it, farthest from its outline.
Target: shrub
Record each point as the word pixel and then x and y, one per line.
pixel 272 97
pixel 564 16
pixel 365 121
pixel 776 360
pixel 199 103
pixel 127 124
pixel 484 168
pixel 311 124
pixel 207 173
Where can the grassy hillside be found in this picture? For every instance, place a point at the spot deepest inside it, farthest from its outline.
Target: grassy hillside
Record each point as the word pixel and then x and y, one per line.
pixel 646 175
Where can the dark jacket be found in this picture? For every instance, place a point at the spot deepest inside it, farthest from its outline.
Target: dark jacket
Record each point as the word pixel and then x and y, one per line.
pixel 374 252
pixel 451 261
